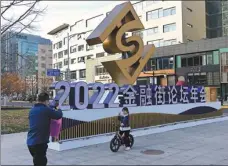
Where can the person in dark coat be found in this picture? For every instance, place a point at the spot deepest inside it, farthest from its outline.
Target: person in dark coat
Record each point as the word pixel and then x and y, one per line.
pixel 40 117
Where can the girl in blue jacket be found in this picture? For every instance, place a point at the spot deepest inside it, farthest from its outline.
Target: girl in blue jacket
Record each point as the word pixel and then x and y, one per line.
pixel 125 126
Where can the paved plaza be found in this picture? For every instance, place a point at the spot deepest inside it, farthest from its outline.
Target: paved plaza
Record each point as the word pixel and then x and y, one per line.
pixel 205 144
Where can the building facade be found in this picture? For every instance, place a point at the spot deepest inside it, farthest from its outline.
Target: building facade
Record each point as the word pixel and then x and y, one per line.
pixel 216 18
pixel 198 62
pixel 44 62
pixel 18 53
pixel 166 23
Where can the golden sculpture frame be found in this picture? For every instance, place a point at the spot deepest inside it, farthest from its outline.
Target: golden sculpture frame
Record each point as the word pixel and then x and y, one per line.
pixel 111 32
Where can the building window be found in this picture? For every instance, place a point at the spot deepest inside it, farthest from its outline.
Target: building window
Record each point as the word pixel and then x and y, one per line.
pixel 151 65
pixel 59 45
pixel 65 40
pixel 73 61
pixel 43 58
pixel 193 61
pixel 216 57
pixel 60 65
pixel 197 79
pixel 154 14
pixel 164 63
pixel 89 56
pixel 183 62
pixel 81 48
pixel 65 62
pixel 138 33
pixel 82 73
pixel 73 48
pixel 60 54
pixel 152 31
pixel 65 52
pixel 100 70
pixel 210 78
pixel 88 48
pixel 209 58
pixel 79 36
pixel 43 65
pixel 190 25
pixel 196 60
pixel 171 80
pixel 157 43
pixel 171 63
pixel 73 75
pixel 216 76
pixel 190 61
pixel 169 27
pixel 81 59
pixel 98 55
pixel 55 55
pixel 170 42
pixel 169 11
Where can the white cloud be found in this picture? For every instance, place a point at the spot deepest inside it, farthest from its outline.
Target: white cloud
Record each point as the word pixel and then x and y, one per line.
pixel 59 12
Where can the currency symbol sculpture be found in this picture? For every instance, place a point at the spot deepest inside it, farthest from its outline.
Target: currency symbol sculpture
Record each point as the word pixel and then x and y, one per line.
pixel 111 32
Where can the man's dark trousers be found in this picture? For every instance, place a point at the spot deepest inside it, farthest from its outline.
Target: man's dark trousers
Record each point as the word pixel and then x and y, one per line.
pixel 38 153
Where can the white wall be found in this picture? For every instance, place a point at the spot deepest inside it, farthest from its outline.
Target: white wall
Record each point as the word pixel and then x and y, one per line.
pixel 178 34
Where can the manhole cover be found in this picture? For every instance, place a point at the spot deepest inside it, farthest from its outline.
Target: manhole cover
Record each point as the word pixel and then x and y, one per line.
pixel 153 152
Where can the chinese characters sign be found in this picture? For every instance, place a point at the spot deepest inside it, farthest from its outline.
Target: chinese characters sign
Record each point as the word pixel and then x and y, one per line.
pixel 128 95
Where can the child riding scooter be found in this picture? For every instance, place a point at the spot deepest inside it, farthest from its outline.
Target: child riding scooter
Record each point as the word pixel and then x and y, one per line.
pixel 125 127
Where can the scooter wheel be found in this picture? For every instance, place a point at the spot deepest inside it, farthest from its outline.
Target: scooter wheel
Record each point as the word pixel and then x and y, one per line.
pixel 115 144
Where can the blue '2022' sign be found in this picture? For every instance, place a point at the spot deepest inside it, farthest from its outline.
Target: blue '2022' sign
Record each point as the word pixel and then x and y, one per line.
pixel 136 95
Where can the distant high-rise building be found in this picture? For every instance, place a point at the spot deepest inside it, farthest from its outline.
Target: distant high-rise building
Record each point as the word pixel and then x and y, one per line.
pixel 44 63
pixel 19 53
pixel 216 18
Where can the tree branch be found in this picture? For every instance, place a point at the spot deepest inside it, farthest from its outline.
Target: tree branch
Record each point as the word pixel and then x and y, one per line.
pixel 22 22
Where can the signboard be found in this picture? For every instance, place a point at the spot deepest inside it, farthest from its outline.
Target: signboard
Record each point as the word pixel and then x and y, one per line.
pixel 53 72
pixel 129 95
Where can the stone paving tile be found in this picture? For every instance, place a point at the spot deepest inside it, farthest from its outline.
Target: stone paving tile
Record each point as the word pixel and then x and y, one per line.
pixel 201 160
pixel 195 145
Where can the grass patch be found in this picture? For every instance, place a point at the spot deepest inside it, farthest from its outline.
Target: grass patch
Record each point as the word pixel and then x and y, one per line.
pixel 14 121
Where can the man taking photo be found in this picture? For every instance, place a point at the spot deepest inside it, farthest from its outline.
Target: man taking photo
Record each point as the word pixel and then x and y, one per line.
pixel 39 128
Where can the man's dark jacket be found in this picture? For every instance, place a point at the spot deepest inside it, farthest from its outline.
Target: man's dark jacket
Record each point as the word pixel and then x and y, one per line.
pixel 39 123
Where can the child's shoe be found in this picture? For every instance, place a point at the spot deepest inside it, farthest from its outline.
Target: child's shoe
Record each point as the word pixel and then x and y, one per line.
pixel 127 148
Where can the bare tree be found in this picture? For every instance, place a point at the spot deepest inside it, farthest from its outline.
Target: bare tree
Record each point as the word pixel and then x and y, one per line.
pixel 25 18
pixel 18 16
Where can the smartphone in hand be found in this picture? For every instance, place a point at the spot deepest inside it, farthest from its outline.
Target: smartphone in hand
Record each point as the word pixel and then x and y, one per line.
pixel 56 104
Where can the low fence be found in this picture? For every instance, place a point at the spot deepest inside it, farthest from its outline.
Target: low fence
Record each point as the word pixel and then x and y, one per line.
pixel 6 105
pixel 72 129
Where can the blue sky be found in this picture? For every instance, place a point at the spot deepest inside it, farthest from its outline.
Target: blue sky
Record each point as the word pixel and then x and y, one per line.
pixel 59 12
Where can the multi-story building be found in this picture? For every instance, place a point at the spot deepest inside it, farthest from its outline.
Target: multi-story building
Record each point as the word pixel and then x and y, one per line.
pixel 166 23
pixel 18 53
pixel 216 18
pixel 44 62
pixel 198 62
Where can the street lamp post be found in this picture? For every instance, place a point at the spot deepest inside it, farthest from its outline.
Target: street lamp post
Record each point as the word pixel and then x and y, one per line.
pixel 68 56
